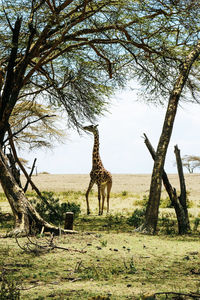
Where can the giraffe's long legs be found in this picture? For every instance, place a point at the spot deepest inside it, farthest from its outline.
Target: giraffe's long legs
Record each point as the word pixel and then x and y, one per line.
pixel 103 197
pixel 99 198
pixel 109 186
pixel 86 195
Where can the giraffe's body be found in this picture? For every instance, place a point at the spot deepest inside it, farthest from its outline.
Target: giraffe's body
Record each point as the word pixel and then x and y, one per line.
pixel 98 174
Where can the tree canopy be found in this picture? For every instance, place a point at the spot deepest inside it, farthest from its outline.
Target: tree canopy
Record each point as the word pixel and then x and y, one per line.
pixel 73 53
pixel 35 125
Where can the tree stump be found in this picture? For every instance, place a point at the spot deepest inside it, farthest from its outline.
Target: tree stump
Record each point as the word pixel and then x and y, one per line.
pixel 69 220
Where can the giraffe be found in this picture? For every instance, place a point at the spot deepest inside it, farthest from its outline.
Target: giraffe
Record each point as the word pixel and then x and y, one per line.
pixel 98 174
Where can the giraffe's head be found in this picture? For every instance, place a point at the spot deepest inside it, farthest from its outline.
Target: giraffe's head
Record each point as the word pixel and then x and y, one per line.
pixel 91 128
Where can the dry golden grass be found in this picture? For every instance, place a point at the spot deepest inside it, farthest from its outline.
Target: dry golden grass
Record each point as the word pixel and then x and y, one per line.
pixel 134 183
pixel 135 186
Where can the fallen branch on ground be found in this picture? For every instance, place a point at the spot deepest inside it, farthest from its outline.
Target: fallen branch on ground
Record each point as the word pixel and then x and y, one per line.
pixel 43 246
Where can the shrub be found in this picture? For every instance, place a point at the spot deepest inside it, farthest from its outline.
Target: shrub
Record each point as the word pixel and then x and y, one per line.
pixel 137 217
pixel 167 225
pixel 166 202
pixel 54 212
pixel 9 289
pixel 196 224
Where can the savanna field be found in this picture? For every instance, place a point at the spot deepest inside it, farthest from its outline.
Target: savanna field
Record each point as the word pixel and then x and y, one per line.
pixel 106 258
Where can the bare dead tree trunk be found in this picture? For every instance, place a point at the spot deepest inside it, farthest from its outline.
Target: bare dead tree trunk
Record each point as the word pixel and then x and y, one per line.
pixel 183 194
pixel 181 212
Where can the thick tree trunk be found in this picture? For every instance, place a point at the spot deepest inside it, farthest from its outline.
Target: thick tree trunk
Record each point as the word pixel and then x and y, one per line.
pixel 151 217
pixel 181 212
pixel 27 220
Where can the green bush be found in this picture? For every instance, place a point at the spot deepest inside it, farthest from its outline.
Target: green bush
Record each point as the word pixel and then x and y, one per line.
pixel 137 217
pixel 54 212
pixel 166 202
pixel 167 225
pixel 9 289
pixel 196 224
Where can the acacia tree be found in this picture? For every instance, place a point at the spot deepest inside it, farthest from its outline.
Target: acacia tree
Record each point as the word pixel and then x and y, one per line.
pixel 62 52
pixel 151 216
pixel 191 162
pixel 174 74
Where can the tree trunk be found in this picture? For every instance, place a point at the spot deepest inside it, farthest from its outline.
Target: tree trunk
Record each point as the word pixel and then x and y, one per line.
pixel 181 212
pixel 183 195
pixel 151 216
pixel 27 220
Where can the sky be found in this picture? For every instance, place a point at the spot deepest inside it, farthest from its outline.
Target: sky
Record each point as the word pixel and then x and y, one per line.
pixel 122 147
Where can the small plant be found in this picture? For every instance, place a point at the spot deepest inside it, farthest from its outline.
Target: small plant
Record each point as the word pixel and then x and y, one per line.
pixel 130 266
pixel 137 218
pixel 54 212
pixel 104 243
pixel 124 193
pixel 9 289
pixel 196 224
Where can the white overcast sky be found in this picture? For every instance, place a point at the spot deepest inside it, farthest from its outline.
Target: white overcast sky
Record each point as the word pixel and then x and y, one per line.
pixel 122 147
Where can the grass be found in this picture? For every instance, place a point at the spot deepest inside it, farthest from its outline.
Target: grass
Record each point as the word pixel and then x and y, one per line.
pixel 118 263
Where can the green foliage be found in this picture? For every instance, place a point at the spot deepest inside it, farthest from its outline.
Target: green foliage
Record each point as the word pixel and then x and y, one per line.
pixel 6 220
pixel 167 225
pixel 56 212
pixel 9 289
pixel 113 220
pixel 130 266
pixel 196 223
pixel 145 200
pixel 43 129
pixel 124 193
pixel 104 243
pixel 166 203
pixel 2 197
pixel 137 218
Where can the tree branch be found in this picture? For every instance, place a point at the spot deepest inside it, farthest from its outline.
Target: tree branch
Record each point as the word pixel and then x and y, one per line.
pixel 31 172
pixel 24 170
pixel 29 123
pixel 104 57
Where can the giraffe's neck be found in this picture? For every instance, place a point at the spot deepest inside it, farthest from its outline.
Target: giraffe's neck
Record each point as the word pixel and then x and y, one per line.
pixel 96 160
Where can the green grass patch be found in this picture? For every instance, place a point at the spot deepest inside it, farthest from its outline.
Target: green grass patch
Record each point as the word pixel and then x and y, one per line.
pixel 2 197
pixel 115 265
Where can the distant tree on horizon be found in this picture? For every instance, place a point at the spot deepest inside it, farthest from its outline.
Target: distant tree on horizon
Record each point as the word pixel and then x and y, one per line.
pixel 191 162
